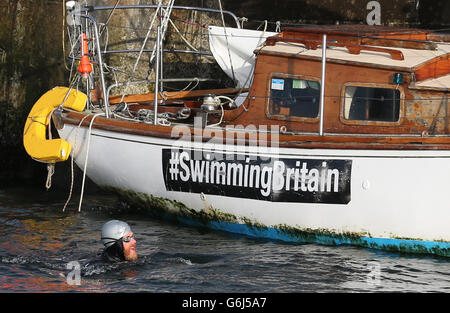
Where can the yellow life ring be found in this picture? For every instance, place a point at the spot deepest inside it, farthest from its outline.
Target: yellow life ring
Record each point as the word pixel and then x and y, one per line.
pixel 34 135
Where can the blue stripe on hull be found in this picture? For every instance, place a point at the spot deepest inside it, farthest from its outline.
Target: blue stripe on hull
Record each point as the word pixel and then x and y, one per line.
pixel 226 222
pixel 389 244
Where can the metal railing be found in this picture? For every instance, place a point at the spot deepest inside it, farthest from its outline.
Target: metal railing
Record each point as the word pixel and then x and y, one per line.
pixel 85 12
pixel 153 6
pixel 100 61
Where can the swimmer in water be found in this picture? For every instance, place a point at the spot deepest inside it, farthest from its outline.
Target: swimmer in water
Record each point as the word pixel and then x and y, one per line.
pixel 119 242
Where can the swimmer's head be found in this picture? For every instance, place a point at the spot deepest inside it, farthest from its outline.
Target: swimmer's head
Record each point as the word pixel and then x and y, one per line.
pixel 119 241
pixel 113 231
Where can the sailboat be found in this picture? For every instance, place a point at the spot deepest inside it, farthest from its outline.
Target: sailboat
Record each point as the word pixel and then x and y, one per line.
pixel 336 135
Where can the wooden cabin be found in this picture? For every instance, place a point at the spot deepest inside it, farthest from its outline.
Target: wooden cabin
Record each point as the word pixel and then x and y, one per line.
pixel 381 82
pixel 385 89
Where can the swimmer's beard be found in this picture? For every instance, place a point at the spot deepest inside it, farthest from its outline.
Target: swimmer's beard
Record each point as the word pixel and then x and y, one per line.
pixel 130 254
pixel 132 257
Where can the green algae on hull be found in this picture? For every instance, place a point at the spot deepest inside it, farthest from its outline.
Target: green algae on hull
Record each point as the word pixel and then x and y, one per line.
pixel 163 206
pixel 363 239
pixel 312 235
pixel 207 217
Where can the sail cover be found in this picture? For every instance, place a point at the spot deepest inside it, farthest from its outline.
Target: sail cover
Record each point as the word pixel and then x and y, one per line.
pixel 233 50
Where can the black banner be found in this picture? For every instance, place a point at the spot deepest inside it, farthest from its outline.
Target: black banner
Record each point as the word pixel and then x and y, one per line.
pixel 254 177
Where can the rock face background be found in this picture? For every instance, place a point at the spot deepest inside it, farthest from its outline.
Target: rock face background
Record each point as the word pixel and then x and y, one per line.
pixel 31 49
pixel 30 63
pixel 127 30
pixel 423 13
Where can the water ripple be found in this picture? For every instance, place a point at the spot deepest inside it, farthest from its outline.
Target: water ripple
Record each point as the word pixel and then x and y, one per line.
pixel 39 241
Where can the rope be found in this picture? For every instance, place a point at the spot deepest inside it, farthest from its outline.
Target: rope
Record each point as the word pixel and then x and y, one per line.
pixel 182 37
pixel 221 107
pixel 104 26
pixel 278 27
pixel 140 52
pixel 166 19
pixel 50 166
pixel 50 172
pixel 71 163
pixel 74 81
pixel 197 81
pixel 71 184
pixel 71 53
pixel 111 13
pixel 242 20
pixel 87 156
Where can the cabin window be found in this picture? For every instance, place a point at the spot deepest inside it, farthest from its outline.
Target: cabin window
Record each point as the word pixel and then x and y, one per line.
pixel 294 97
pixel 371 104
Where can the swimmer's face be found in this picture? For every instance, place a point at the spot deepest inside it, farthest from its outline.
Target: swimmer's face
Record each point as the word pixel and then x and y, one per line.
pixel 129 248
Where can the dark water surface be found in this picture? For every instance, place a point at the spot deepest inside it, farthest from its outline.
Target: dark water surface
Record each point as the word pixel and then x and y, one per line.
pixel 38 240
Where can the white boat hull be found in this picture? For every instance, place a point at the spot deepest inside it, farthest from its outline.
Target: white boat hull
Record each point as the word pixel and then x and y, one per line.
pixel 396 200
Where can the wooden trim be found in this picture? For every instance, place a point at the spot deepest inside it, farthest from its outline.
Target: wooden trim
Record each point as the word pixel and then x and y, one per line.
pixel 352 46
pixel 231 115
pixel 336 61
pixel 418 40
pixel 403 43
pixel 395 54
pixel 434 68
pixel 359 31
pixel 438 37
pixel 308 141
pixel 402 108
pixel 313 120
pixel 174 95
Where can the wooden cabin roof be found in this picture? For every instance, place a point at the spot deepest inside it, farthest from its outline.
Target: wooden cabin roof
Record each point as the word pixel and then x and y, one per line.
pixel 361 30
pixel 374 46
pixel 412 57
